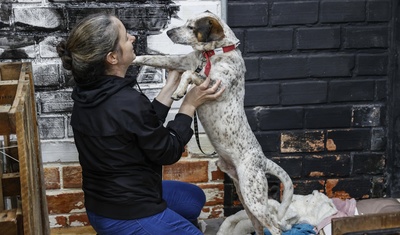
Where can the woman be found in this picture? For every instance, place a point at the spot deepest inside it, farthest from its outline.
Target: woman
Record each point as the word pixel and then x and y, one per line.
pixel 121 139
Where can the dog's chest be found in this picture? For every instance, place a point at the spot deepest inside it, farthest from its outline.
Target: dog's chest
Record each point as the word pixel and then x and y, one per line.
pixel 206 64
pixel 200 65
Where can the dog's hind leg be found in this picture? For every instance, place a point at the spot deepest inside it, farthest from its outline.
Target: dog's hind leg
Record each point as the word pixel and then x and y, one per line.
pixel 254 190
pixel 229 169
pixel 258 227
pixel 188 77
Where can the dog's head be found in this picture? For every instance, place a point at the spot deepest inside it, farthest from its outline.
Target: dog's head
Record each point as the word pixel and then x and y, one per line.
pixel 205 31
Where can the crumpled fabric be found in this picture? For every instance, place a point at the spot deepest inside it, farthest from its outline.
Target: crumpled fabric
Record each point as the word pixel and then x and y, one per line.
pixel 297 229
pixel 305 209
pixel 236 224
pixel 344 208
pixel 313 208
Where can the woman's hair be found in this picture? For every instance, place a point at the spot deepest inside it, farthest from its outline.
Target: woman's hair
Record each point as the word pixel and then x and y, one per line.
pixel 89 42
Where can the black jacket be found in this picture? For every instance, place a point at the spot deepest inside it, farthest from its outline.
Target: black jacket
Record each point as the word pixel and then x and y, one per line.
pixel 122 145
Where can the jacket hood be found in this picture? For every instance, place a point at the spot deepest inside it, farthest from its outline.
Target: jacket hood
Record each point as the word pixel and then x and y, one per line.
pixel 93 94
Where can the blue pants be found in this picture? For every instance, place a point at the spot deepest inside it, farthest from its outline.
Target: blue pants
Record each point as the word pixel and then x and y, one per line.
pixel 184 202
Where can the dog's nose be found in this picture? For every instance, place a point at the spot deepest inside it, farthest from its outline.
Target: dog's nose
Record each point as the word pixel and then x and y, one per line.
pixel 169 32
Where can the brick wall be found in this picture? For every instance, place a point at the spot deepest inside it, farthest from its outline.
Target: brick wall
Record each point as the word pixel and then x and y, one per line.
pixel 317 91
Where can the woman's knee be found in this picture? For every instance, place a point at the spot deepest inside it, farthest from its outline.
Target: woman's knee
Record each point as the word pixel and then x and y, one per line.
pixel 184 198
pixel 182 190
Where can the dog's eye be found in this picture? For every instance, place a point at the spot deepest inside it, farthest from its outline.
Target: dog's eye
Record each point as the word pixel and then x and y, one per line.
pixel 190 27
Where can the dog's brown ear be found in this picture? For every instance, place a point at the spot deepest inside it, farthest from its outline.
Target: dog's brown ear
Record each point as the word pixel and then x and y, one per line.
pixel 208 29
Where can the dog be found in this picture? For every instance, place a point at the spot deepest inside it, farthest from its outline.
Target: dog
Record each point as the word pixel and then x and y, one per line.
pixel 240 155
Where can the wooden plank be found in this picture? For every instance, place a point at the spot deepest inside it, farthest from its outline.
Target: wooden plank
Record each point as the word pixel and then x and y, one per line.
pixel 11 184
pixel 5 127
pixel 365 222
pixel 18 103
pixel 20 118
pixel 27 197
pixel 40 191
pixel 87 230
pixel 33 214
pixel 7 91
pixel 8 222
pixel 10 71
pixel 1 189
pixel 36 151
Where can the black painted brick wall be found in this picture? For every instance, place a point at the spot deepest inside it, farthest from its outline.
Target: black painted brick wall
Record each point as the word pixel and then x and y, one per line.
pixel 316 90
pixel 317 79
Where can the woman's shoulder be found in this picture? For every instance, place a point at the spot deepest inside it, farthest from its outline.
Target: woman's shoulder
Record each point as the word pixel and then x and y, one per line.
pixel 130 98
pixel 129 92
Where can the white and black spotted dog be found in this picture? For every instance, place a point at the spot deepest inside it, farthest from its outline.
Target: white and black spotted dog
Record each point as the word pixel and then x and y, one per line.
pixel 240 155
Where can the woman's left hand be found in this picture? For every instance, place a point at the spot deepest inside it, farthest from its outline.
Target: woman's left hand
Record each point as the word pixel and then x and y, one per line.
pixel 173 79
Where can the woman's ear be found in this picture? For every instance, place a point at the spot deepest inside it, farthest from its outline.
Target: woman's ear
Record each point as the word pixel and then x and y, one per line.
pixel 112 58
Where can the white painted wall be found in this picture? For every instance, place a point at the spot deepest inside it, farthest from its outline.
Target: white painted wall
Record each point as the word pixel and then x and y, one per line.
pixel 64 151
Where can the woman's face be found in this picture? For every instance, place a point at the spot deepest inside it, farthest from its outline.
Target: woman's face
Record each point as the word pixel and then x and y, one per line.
pixel 125 51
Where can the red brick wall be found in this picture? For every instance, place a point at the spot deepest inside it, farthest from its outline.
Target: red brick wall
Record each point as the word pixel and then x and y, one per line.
pixel 65 197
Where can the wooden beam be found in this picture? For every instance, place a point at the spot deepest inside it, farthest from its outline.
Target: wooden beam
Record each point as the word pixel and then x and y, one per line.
pixel 8 222
pixel 87 230
pixel 365 223
pixel 11 184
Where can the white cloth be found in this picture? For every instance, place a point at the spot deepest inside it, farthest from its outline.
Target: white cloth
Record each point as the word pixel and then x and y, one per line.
pixel 236 224
pixel 313 208
pixel 310 209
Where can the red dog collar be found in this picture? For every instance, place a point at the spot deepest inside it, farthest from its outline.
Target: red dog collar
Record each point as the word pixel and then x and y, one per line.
pixel 216 51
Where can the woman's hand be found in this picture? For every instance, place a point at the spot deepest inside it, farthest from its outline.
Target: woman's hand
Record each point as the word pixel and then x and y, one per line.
pixel 199 95
pixel 173 79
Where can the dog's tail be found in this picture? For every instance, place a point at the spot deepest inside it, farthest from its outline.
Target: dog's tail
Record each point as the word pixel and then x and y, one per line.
pixel 287 196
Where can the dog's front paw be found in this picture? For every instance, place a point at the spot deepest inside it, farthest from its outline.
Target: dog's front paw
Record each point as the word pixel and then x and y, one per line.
pixel 177 96
pixel 139 60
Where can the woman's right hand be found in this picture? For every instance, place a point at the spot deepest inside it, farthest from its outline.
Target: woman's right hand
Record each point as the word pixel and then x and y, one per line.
pixel 199 95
